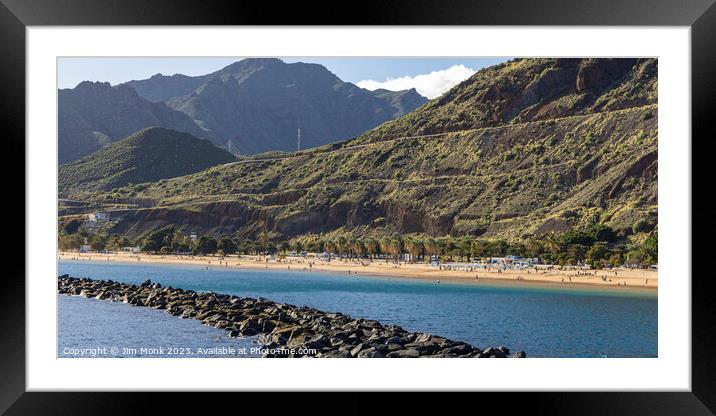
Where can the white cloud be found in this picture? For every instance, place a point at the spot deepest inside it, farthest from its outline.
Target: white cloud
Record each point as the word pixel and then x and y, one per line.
pixel 429 85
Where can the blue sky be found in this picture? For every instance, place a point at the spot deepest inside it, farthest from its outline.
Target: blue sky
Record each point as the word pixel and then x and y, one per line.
pixel 431 76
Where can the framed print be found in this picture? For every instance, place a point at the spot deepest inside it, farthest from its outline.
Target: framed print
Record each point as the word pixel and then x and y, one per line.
pixel 205 194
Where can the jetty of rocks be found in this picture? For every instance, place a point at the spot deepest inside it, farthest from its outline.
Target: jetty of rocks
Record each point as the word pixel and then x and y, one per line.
pixel 280 327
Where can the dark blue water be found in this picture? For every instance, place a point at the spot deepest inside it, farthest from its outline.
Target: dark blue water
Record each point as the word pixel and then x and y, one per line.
pixel 103 329
pixel 544 322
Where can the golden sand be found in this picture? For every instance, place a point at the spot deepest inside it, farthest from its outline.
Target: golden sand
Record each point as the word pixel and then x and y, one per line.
pixel 616 279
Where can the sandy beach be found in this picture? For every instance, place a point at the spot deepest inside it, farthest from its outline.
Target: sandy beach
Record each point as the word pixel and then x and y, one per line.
pixel 616 279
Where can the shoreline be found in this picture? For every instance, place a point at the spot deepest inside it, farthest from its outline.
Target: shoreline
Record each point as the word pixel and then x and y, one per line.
pixel 607 280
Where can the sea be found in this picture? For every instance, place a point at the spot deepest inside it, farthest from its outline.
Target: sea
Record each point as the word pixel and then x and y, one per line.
pixel 552 322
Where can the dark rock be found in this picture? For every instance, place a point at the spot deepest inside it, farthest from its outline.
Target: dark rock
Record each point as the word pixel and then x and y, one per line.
pixel 249 332
pixel 369 353
pixel 404 354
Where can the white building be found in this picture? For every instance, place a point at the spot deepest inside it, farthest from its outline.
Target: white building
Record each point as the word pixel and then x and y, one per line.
pixel 135 249
pixel 98 216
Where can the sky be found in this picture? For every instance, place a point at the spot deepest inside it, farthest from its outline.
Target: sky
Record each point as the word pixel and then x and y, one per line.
pixel 429 76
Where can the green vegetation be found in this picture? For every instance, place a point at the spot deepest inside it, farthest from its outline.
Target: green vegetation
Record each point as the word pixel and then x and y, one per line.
pixel 149 155
pixel 597 245
pixel 524 90
pixel 559 162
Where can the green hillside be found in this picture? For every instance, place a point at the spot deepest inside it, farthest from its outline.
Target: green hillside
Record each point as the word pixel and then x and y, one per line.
pixel 532 146
pixel 149 155
pixel 524 90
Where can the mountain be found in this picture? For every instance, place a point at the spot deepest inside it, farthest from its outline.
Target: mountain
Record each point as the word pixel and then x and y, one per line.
pixel 525 90
pixel 149 155
pixel 523 148
pixel 258 104
pixel 95 114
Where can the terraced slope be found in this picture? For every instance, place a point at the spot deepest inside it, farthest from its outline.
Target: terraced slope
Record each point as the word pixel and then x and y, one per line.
pixel 506 181
pixel 524 90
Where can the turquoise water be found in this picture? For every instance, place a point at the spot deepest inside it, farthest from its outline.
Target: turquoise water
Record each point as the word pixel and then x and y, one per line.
pixel 544 322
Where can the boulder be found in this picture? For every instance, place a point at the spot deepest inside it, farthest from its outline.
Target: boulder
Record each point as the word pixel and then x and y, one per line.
pixel 249 332
pixel 369 353
pixel 357 349
pixel 407 353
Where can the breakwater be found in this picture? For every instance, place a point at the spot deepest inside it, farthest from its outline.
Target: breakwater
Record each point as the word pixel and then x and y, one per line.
pixel 282 327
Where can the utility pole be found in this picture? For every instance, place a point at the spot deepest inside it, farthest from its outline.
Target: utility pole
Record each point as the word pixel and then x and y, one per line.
pixel 298 138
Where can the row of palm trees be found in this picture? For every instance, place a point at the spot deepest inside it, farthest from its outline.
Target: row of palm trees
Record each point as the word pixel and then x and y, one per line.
pixel 417 247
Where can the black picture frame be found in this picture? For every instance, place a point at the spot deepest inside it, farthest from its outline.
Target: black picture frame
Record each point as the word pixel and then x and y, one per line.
pixel 16 15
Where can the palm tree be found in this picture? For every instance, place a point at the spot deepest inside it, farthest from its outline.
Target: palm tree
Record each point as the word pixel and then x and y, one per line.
pixel 432 247
pixel 329 246
pixel 342 245
pixel 448 246
pixel 552 243
pixel 358 247
pixel 465 246
pixel 297 246
pixel 396 246
pixel 441 247
pixel 386 246
pixel 371 246
pixel 414 246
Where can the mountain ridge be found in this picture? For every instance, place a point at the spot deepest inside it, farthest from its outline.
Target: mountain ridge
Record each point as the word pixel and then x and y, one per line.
pixel 95 114
pixel 148 155
pixel 258 104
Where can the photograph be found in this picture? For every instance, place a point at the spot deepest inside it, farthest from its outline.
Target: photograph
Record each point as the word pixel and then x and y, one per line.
pixel 357 207
pixel 377 197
